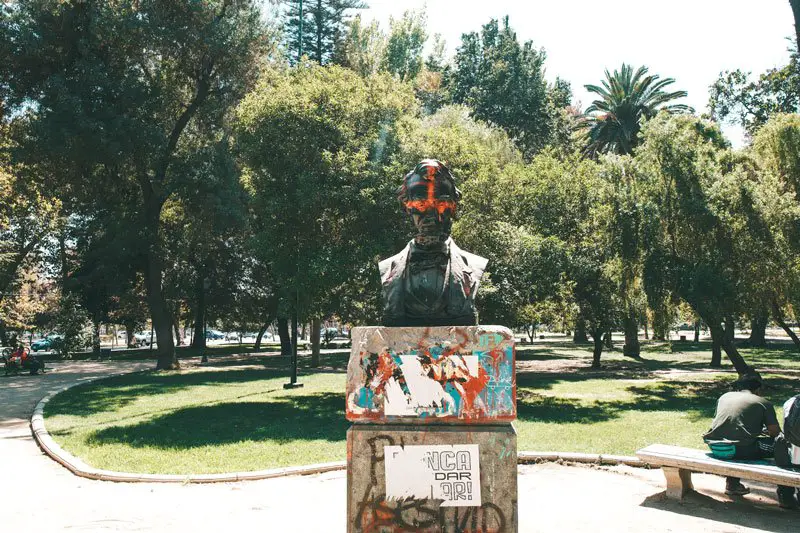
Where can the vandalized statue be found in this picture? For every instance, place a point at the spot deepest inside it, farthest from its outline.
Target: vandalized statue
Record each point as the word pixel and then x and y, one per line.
pixel 432 282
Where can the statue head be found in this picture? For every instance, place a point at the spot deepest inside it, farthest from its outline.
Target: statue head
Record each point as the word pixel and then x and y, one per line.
pixel 430 196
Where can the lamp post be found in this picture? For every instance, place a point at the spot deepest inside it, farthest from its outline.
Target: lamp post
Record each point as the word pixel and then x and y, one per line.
pixel 293 384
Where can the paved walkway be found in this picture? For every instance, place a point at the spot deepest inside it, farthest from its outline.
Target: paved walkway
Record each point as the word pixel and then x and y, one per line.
pixel 552 497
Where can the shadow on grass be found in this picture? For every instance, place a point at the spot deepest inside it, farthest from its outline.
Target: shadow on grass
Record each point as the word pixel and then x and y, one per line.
pixel 695 398
pixel 115 393
pixel 309 417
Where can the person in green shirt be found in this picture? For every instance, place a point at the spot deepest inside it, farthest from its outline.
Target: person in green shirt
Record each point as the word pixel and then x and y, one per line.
pixel 745 427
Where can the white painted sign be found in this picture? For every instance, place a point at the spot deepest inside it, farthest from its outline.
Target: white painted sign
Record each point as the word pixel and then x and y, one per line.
pixel 448 473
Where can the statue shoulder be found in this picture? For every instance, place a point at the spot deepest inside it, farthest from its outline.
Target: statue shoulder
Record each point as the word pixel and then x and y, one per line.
pixel 475 262
pixel 390 266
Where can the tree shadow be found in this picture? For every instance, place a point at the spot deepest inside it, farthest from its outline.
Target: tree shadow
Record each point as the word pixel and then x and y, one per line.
pixel 115 393
pixel 308 417
pixel 532 407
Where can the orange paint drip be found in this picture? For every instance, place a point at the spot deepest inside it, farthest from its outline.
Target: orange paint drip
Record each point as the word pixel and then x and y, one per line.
pixel 473 387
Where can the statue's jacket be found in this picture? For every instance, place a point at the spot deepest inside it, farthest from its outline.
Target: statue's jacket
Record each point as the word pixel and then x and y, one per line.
pixel 465 271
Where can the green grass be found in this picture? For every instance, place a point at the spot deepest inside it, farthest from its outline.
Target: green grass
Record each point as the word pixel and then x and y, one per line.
pixel 227 417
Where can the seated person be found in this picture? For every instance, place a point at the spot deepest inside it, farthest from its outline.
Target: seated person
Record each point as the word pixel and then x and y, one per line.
pixel 18 355
pixel 741 418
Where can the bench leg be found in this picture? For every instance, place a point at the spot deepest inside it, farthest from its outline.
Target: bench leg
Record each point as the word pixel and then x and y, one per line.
pixel 679 482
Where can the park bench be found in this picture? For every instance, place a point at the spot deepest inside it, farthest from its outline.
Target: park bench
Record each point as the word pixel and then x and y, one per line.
pixel 679 463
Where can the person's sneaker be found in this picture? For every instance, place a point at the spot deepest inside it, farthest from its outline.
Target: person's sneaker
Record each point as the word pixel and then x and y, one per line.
pixel 736 489
pixel 787 500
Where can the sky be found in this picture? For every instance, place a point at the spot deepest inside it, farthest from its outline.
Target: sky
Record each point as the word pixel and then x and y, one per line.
pixel 691 41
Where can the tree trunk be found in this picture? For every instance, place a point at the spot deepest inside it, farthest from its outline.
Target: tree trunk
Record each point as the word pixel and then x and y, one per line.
pixel 758 330
pixel 316 324
pixel 716 346
pixel 159 312
pixel 177 331
pixel 129 327
pixel 96 338
pixel 696 331
pixel 609 342
pixel 778 315
pixel 257 345
pixel 730 329
pixel 717 332
pixel 796 12
pixel 199 337
pixel 646 333
pixel 283 333
pixel 660 325
pixel 598 348
pixel 320 22
pixel 579 336
pixel 631 348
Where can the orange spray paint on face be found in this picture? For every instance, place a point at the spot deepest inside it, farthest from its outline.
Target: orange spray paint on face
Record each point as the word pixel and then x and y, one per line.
pixel 431 202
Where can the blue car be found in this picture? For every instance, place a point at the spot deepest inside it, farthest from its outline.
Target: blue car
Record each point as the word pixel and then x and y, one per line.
pixel 46 343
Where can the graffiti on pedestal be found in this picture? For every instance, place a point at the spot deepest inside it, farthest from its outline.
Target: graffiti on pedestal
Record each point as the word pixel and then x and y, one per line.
pixel 472 380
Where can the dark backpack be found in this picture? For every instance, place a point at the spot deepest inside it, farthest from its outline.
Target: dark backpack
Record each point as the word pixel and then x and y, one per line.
pixel 791 422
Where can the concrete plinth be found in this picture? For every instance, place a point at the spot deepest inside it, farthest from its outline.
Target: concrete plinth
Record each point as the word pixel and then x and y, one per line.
pixel 431 478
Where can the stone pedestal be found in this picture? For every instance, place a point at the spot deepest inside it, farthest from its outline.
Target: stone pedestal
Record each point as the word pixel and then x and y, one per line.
pixel 431 449
pixel 461 465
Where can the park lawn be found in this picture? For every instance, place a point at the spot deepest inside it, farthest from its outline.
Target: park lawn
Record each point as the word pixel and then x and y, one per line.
pixel 227 417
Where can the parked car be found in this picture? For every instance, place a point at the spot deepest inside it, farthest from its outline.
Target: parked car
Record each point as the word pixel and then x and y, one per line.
pixel 46 343
pixel 143 339
pixel 214 335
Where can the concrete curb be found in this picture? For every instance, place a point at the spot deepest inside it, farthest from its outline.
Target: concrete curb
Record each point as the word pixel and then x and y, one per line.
pixel 79 468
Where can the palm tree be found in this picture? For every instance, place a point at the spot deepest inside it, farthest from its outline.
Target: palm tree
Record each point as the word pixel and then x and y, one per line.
pixel 626 97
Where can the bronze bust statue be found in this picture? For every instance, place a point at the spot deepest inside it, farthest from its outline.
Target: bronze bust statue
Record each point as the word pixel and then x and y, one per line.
pixel 432 282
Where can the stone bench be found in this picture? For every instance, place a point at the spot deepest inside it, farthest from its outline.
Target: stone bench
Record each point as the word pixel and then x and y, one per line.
pixel 679 463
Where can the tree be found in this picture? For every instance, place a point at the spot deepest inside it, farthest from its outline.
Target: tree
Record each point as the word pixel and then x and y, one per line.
pixel 116 86
pixel 363 48
pixel 503 82
pixel 697 222
pixel 777 149
pixel 324 27
pixel 796 13
pixel 626 227
pixel 405 44
pixel 28 215
pixel 626 98
pixel 315 142
pixel 734 98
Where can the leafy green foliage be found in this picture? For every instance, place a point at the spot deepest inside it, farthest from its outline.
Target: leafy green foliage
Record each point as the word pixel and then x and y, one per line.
pixel 700 237
pixel 315 142
pixel 503 83
pixel 363 48
pixel 404 45
pixel 737 99
pixel 116 87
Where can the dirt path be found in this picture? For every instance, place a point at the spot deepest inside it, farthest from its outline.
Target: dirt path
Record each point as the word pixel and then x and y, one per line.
pixel 553 497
